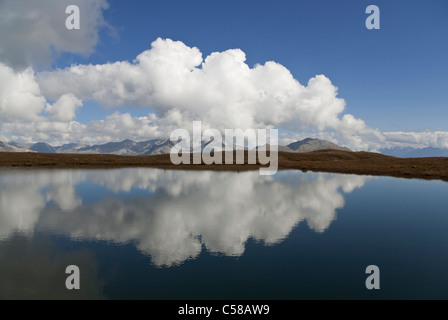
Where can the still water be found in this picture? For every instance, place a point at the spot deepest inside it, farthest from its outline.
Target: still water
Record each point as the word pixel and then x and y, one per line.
pixel 153 234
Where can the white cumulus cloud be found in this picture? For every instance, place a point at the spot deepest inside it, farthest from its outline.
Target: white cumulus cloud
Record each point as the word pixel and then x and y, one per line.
pixel 221 90
pixel 65 108
pixel 20 95
pixel 175 80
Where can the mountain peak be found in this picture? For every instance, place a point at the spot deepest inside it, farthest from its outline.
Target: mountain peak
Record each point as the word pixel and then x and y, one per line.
pixel 310 144
pixel 42 147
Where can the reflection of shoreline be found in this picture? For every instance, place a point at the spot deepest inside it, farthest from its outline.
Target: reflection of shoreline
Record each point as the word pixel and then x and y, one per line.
pixel 361 163
pixel 186 211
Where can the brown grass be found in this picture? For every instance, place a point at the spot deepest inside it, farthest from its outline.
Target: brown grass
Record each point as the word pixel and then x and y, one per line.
pixel 364 163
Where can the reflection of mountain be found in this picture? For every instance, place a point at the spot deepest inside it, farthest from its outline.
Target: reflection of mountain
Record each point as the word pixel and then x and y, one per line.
pixel 182 212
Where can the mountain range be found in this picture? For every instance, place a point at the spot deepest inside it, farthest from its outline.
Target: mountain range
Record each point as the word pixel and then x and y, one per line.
pixel 162 146
pixel 125 147
pixel 152 147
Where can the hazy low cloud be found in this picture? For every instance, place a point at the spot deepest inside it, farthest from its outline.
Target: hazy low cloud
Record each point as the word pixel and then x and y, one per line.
pixel 115 127
pixel 435 139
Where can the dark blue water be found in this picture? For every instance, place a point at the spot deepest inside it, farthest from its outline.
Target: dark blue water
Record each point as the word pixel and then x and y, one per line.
pixel 155 234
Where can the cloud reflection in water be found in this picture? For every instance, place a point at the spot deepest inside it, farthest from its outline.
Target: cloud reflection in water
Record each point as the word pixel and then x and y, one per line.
pixel 180 212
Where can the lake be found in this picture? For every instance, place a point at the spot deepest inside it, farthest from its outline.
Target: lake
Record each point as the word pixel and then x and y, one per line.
pixel 140 233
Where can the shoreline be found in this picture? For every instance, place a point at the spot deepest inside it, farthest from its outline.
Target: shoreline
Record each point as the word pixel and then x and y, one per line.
pixel 346 162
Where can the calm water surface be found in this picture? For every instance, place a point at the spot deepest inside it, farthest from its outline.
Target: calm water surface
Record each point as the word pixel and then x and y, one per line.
pixel 154 234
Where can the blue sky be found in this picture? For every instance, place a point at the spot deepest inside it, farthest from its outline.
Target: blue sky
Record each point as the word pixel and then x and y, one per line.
pixel 394 79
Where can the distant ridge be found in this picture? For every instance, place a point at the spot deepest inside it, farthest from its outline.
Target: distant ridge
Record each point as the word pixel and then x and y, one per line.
pixel 129 147
pixel 126 147
pixel 309 144
pixel 5 147
pixel 155 146
pixel 162 146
